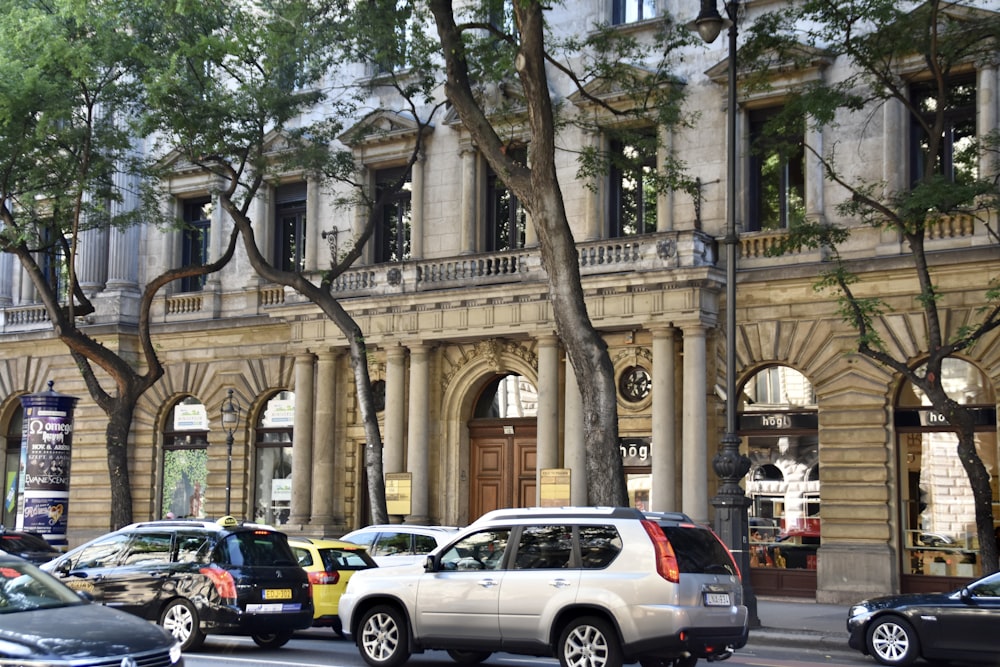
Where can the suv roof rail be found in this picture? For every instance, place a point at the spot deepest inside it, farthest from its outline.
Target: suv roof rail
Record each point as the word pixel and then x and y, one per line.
pixel 563 513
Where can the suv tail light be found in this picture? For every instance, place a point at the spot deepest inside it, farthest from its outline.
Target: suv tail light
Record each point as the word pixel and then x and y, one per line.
pixel 223 581
pixel 666 559
pixel 319 578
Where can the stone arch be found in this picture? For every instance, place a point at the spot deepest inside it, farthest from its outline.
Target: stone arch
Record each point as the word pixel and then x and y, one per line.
pixel 466 371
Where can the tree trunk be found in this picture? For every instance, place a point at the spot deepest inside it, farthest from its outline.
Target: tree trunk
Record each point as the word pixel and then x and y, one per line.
pixel 119 424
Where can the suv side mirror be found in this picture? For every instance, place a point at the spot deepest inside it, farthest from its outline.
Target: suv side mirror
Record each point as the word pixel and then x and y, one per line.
pixel 430 564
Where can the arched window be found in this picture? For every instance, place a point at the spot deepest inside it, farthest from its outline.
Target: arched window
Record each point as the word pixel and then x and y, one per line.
pixel 185 460
pixel 778 424
pixel 12 462
pixel 273 497
pixel 938 514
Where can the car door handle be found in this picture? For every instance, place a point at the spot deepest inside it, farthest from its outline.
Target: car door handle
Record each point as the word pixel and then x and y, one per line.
pixel 559 583
pixel 487 583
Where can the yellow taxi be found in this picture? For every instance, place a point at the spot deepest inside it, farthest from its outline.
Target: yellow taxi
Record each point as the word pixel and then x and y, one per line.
pixel 329 564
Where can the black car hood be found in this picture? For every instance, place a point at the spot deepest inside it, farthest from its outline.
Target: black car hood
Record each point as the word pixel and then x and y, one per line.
pixel 908 600
pixel 77 631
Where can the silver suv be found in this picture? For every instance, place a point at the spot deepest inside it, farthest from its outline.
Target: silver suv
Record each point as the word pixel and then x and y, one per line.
pixel 595 587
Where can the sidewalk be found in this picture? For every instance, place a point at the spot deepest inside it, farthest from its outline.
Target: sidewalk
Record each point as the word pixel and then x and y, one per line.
pixel 789 622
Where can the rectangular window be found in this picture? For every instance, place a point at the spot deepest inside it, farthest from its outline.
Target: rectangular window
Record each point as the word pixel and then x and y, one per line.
pixel 955 156
pixel 632 11
pixel 392 215
pixel 506 220
pixel 53 263
pixel 777 174
pixel 290 223
pixel 393 38
pixel 197 219
pixel 632 186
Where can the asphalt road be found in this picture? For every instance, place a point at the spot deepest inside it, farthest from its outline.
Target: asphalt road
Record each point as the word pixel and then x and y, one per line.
pixel 321 648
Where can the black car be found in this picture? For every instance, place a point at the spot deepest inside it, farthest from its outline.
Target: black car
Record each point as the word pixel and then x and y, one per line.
pixel 29 546
pixel 196 578
pixel 42 622
pixel 959 626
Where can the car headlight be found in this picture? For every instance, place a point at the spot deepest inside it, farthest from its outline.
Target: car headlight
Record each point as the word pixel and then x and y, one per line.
pixel 858 610
pixel 175 653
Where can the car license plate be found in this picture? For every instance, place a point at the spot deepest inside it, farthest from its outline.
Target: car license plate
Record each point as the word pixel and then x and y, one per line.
pixel 717 600
pixel 278 594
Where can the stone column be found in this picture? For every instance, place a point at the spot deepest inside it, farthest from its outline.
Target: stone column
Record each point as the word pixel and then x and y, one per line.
pixel 302 441
pixel 594 197
pixel 316 249
pixel 815 182
pixel 93 259
pixel 988 112
pixel 894 164
pixel 418 428
pixel 694 497
pixel 123 259
pixel 7 265
pixel 324 453
pixel 663 497
pixel 664 200
pixel 395 408
pixel 216 244
pixel 469 160
pixel 574 449
pixel 417 208
pixel 547 421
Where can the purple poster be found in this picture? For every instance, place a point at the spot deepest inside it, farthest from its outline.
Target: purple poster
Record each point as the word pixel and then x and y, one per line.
pixel 46 450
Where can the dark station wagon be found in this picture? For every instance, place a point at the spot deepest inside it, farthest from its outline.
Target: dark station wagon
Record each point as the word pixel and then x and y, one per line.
pixel 196 578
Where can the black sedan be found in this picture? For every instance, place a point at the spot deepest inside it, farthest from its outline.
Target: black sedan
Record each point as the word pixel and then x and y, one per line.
pixel 28 546
pixel 958 626
pixel 43 622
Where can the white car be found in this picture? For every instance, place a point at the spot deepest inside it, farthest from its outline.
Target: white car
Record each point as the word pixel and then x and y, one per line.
pixel 397 544
pixel 594 587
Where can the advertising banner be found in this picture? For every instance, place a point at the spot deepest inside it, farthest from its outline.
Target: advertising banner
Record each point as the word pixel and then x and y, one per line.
pixel 46 449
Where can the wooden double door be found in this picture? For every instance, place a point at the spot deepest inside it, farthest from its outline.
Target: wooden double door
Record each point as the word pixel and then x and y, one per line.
pixel 502 464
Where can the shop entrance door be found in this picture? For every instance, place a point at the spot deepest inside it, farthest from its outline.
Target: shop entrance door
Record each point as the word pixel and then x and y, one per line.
pixel 501 464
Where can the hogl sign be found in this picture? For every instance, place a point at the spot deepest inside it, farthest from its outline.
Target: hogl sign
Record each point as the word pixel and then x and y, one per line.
pixel 46 449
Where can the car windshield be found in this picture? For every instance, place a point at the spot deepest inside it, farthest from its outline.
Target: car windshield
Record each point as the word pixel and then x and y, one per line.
pixel 24 587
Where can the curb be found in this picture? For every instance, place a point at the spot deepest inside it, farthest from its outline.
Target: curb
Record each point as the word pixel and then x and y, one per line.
pixel 822 641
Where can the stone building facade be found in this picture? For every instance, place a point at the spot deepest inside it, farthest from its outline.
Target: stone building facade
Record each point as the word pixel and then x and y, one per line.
pixel 840 508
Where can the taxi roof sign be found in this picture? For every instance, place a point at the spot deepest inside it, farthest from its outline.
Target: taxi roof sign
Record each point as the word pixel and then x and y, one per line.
pixel 228 522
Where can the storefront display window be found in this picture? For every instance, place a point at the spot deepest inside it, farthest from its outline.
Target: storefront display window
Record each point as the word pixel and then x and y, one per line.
pixel 273 502
pixel 778 425
pixel 12 463
pixel 939 515
pixel 185 461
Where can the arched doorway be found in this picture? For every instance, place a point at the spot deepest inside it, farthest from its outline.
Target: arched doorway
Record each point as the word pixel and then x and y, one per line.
pixel 938 519
pixel 779 428
pixel 503 445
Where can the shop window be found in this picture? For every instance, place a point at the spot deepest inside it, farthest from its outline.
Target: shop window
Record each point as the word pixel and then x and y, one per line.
pixel 185 461
pixel 273 502
pixel 939 516
pixel 778 424
pixel 11 466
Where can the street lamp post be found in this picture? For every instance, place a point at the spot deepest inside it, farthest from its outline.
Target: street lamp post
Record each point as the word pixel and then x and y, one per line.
pixel 230 421
pixel 731 503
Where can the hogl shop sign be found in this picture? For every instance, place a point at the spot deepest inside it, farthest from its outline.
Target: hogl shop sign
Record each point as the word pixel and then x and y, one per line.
pixel 46 449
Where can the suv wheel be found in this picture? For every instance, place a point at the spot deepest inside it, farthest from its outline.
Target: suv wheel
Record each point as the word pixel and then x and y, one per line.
pixel 382 637
pixel 272 639
pixel 589 642
pixel 180 619
pixel 468 658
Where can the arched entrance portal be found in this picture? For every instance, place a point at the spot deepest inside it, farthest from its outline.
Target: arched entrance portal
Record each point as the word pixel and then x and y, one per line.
pixel 503 444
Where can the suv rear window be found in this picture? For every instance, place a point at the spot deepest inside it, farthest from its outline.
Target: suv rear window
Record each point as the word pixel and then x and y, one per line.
pixel 252 548
pixel 17 542
pixel 698 550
